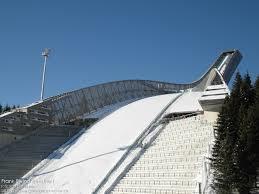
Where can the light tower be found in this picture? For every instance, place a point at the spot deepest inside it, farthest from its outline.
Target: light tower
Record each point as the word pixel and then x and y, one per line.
pixel 45 54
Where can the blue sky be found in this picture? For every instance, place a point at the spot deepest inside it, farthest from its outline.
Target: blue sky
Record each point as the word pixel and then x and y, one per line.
pixel 100 41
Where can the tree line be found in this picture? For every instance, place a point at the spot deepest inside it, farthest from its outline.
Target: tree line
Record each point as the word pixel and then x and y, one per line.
pixel 235 155
pixel 7 108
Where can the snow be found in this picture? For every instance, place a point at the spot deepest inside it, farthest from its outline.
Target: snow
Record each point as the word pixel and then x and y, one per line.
pixel 215 92
pixel 5 114
pixel 215 97
pixel 107 110
pixel 84 165
pixel 216 87
pixel 188 102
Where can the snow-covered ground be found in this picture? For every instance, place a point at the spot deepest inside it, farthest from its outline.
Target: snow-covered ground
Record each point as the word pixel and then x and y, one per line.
pixel 189 103
pixel 82 167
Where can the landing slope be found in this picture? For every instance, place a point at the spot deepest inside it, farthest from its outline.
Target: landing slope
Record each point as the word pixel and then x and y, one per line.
pixel 81 168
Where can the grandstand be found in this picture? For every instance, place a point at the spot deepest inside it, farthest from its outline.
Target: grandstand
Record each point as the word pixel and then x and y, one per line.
pixel 132 136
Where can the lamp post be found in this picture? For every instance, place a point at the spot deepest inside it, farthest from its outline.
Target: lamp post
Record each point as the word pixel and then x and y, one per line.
pixel 45 54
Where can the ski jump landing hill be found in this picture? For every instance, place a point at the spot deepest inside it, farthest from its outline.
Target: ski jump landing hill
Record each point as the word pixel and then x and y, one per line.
pixel 149 137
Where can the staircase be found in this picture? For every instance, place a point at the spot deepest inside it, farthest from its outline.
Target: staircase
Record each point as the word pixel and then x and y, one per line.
pixel 20 157
pixel 173 162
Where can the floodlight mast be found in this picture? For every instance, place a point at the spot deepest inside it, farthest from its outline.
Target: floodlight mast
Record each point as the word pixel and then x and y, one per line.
pixel 45 54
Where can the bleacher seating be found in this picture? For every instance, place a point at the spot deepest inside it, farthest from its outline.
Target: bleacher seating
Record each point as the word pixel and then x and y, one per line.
pixel 21 156
pixel 173 161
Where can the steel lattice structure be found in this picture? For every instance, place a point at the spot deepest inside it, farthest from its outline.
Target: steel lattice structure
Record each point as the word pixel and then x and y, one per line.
pixel 71 105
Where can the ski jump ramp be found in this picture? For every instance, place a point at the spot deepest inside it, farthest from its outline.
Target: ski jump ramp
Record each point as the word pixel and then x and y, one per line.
pixel 83 166
pixel 96 159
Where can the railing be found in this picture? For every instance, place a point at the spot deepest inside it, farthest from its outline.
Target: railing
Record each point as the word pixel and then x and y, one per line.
pixel 135 144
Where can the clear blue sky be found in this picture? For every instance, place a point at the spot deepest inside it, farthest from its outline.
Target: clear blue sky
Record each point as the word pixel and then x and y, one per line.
pixel 101 41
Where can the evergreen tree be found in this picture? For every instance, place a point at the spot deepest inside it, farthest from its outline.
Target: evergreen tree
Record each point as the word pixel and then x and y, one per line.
pixel 245 145
pixel 235 155
pixel 232 157
pixel 232 132
pixel 219 160
pixel 235 92
pixel 7 108
pixel 256 119
pixel 246 153
pixel 247 92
